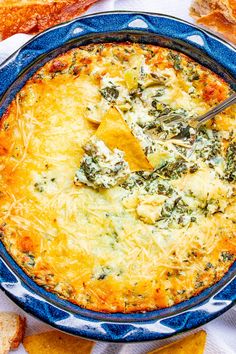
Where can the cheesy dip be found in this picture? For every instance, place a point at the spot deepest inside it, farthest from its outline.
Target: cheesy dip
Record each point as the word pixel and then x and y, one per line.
pixel 99 202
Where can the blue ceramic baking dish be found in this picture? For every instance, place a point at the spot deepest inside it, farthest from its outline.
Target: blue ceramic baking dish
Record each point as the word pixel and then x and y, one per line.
pixel 162 30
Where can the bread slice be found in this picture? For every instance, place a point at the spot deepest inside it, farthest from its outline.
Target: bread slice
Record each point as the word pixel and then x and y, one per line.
pixel 219 15
pixel 12 327
pixel 34 16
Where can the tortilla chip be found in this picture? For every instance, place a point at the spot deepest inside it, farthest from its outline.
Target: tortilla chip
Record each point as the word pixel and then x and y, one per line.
pixel 195 343
pixel 55 342
pixel 115 133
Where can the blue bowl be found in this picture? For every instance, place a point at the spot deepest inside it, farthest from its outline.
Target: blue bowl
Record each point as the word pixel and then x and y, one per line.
pixel 162 30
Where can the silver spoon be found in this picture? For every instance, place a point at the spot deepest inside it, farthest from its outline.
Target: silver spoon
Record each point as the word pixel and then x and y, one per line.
pixel 195 123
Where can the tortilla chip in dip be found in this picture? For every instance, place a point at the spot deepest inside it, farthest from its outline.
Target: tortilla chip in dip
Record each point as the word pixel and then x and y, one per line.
pixel 115 133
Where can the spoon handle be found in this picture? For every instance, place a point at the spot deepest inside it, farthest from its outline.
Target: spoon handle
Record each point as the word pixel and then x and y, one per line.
pixel 214 111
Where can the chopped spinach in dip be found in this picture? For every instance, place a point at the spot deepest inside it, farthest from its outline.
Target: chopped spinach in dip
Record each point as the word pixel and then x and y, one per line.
pixel 149 113
pixel 230 169
pixel 101 167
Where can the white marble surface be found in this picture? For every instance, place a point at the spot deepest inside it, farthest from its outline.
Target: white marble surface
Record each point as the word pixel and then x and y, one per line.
pixel 222 331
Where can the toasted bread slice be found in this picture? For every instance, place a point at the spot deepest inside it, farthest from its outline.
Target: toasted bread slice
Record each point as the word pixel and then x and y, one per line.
pixel 219 15
pixel 12 327
pixel 34 16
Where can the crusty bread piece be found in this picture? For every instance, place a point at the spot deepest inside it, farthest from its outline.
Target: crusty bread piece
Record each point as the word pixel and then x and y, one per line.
pixel 219 15
pixel 12 327
pixel 34 16
pixel 206 7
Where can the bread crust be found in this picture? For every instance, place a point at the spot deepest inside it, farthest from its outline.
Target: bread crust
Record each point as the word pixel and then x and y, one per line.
pixel 217 22
pixel 12 329
pixel 19 333
pixel 33 18
pixel 217 15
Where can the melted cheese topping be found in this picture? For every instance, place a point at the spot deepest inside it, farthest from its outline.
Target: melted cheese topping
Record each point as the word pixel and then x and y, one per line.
pixel 124 248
